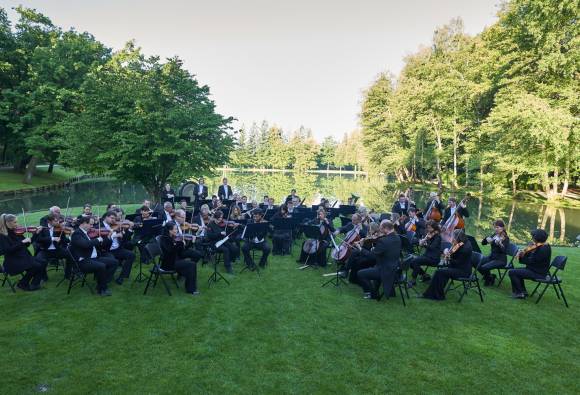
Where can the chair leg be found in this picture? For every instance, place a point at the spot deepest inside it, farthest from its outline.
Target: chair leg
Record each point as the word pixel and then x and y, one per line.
pixel 479 291
pixel 175 281
pixel 556 290
pixel 502 274
pixel 535 289
pixel 465 288
pixel 71 281
pixel 542 293
pixel 148 283
pixel 165 285
pixel 449 284
pixel 402 295
pixel 563 297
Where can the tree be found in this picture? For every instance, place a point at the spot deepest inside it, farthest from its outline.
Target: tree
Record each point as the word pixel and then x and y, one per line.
pixel 327 153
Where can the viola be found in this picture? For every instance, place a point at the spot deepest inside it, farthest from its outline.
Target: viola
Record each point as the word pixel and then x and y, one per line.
pixel 452 251
pixel 95 232
pixel 63 229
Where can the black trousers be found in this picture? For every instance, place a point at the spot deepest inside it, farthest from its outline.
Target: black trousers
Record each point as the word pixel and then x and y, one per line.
pixel 359 260
pixel 370 279
pixel 419 261
pixel 517 277
pixel 488 264
pixel 188 270
pixel 104 268
pixel 32 268
pixel 230 252
pixel 249 245
pixel 281 241
pixel 126 259
pixel 436 289
pixel 57 253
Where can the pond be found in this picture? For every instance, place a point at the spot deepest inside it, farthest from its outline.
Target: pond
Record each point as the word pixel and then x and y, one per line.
pixel 562 224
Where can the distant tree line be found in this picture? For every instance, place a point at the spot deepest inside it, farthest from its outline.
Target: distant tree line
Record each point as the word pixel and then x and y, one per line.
pixel 496 111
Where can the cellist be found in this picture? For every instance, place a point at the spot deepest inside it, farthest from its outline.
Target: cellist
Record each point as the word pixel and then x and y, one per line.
pixel 326 228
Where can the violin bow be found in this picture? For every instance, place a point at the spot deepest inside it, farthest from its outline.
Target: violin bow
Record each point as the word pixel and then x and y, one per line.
pixel 65 215
pixel 24 219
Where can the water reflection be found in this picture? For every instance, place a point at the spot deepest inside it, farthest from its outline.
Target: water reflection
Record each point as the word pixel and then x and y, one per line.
pixel 562 224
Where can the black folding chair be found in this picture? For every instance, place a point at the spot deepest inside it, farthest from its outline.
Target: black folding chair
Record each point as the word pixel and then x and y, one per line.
pixel 400 282
pixel 512 250
pixel 77 276
pixel 6 279
pixel 471 281
pixel 552 279
pixel 157 272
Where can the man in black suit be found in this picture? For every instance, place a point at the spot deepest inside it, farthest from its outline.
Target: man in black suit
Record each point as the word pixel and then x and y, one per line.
pixel 292 196
pixel 84 249
pixel 168 194
pixel 52 244
pixel 200 190
pixel 401 206
pixel 387 252
pixel 225 191
pixel 55 210
pixel 257 243
pixel 113 248
pixel 146 203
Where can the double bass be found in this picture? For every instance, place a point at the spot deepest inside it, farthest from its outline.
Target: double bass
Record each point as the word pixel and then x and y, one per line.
pixel 433 213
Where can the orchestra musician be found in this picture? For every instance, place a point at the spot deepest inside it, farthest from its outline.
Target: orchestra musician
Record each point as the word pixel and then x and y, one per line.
pixel 499 243
pixel 434 209
pixel 387 251
pixel 236 213
pixel 217 230
pixel 459 258
pixel 361 256
pixel 401 206
pixel 224 190
pixel 281 238
pixel 112 246
pixel 431 256
pixel 84 249
pixel 257 243
pixel 399 223
pixel 167 213
pixel 168 194
pixel 87 211
pixel 146 203
pixel 215 203
pixel 201 190
pixel 415 224
pixel 17 257
pixel 317 254
pixel 292 196
pixel 454 208
pixel 52 244
pixel 172 250
pixel 244 206
pixel 536 257
pixel 52 210
pixel 203 220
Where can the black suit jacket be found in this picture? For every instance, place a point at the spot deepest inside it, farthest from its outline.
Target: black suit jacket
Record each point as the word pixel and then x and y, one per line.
pixel 539 259
pixel 17 258
pixel 165 197
pixel 82 245
pixel 498 251
pixel 387 253
pixel 461 259
pixel 400 210
pixel 203 194
pixel 171 250
pixel 222 192
pixel 433 248
pixel 460 210
pixel 43 239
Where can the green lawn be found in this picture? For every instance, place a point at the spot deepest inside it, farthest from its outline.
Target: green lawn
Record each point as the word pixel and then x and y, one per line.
pixel 10 180
pixel 283 333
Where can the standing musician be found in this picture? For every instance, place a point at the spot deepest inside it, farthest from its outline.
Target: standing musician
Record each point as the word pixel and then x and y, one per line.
pixel 317 248
pixel 168 195
pixel 17 258
pixel 459 258
pixel 170 258
pixel 53 210
pixel 292 196
pixel 225 191
pixel 537 258
pixel 431 256
pixel 52 243
pixel 112 246
pixel 200 190
pixel 84 249
pixel 217 230
pixel 387 251
pixel 257 243
pixel 499 243
pixel 361 256
pixel 401 206
pixel 434 209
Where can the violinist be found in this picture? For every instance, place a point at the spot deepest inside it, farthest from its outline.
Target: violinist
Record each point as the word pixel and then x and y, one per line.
pixel 387 251
pixel 459 258
pixel 225 191
pixel 87 212
pixel 202 220
pixel 401 206
pixel 290 208
pixel 189 250
pixel 243 205
pixel 84 249
pixel 167 214
pixel 537 258
pixel 399 223
pixel 188 213
pixel 17 257
pixel 361 257
pixel 236 213
pixel 52 210
pixel 112 246
pixel 215 203
pixel 431 256
pixel 168 195
pixel 499 243
pixel 146 203
pixel 257 243
pixel 170 258
pixel 52 243
pixel 315 250
pixel 217 230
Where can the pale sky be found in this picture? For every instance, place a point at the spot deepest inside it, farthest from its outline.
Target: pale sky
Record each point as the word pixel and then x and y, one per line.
pixel 300 62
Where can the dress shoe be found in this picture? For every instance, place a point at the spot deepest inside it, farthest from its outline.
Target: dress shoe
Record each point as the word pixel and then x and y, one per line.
pixel 105 292
pixel 195 293
pixel 119 280
pixel 518 296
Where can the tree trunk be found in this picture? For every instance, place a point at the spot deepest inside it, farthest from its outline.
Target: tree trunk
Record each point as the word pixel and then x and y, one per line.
pixel 50 167
pixel 466 170
pixel 30 168
pixel 562 225
pixel 455 155
pixel 511 215
pixel 481 178
pixel 514 183
pixel 566 178
pixel 437 154
pixel 552 223
pixel 555 183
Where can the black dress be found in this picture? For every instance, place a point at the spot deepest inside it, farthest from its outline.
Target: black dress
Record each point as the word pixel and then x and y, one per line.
pixel 17 259
pixel 459 266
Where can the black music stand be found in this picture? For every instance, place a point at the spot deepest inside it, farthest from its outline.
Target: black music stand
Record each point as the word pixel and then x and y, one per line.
pixel 346 209
pixel 310 232
pixel 473 243
pixel 252 230
pixel 216 276
pixel 345 221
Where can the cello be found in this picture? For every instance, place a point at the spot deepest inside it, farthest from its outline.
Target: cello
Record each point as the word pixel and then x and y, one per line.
pixel 343 252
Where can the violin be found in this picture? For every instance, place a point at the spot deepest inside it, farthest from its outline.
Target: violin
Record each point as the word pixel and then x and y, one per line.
pixel 428 236
pixel 20 230
pixel 95 232
pixel 63 229
pixel 187 226
pixel 529 249
pixel 368 242
pixel 452 251
pixel 185 237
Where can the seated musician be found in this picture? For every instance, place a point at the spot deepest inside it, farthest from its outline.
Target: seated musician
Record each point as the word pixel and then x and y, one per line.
pixel 387 251
pixel 172 251
pixel 361 256
pixel 317 254
pixel 189 251
pixel 356 223
pixel 52 244
pixel 265 200
pixel 167 214
pixel 434 208
pixel 55 210
pixel 257 243
pixel 87 211
pixel 415 224
pixel 146 203
pixel 112 246
pixel 270 204
pixel 452 208
pixel 292 196
pixel 203 219
pixel 499 243
pixel 84 249
pixel 536 257
pixel 188 213
pixel 281 238
pixel 431 256
pixel 459 258
pixel 399 223
pixel 236 213
pixel 215 203
pixel 168 195
pixel 141 239
pixel 401 206
pixel 290 208
pixel 244 206
pixel 217 230
pixel 17 257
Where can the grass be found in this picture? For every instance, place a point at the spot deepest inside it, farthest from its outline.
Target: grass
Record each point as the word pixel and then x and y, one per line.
pixel 12 181
pixel 283 333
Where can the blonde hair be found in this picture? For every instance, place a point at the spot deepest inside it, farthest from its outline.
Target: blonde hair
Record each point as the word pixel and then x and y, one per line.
pixel 4 219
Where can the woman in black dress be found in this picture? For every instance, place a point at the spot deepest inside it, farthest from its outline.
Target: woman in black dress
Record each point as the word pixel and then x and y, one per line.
pixel 432 254
pixel 459 258
pixel 171 250
pixel 17 258
pixel 499 243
